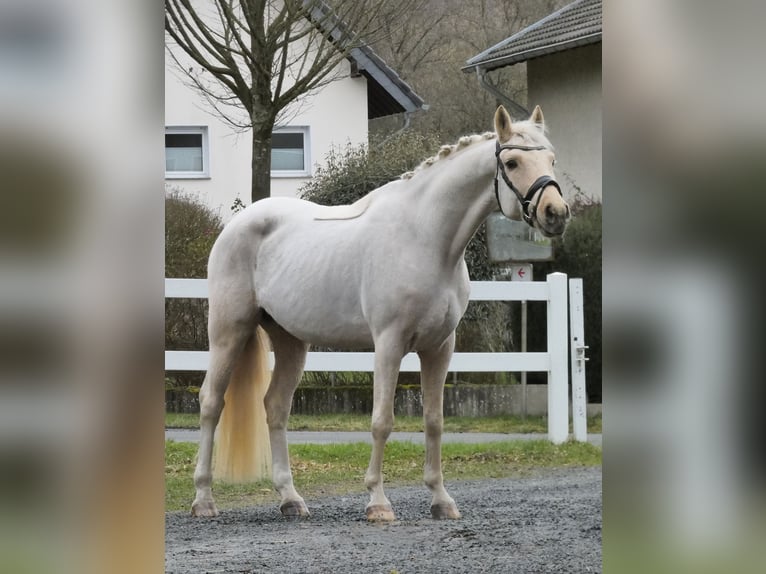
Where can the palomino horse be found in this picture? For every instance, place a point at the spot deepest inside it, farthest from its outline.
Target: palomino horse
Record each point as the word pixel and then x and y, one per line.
pixel 387 271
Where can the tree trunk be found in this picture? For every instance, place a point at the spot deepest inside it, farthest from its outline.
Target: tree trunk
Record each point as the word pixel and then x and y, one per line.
pixel 261 163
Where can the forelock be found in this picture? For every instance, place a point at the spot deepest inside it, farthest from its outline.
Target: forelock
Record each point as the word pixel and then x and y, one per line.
pixel 530 133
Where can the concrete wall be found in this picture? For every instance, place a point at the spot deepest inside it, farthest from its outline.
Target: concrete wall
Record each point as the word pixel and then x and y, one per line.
pixel 567 86
pixel 336 115
pixel 459 400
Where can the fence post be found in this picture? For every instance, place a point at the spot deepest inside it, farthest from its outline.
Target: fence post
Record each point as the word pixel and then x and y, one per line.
pixel 577 358
pixel 558 399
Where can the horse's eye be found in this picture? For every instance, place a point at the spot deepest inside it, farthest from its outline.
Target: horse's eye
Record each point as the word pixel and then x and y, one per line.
pixel 511 164
pixel 553 162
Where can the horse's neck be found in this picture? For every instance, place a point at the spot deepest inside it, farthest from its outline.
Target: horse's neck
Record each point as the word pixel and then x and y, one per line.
pixel 456 198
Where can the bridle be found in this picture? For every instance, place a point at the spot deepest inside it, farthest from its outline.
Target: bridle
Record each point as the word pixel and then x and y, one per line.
pixel 529 215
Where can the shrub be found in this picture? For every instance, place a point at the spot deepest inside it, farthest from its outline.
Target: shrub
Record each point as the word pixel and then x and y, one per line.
pixel 190 231
pixel 354 171
pixel 191 228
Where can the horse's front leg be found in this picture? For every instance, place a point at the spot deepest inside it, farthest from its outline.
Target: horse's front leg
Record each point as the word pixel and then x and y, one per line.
pixel 388 358
pixel 433 372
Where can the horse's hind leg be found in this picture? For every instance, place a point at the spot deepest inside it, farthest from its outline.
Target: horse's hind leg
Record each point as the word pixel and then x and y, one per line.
pixel 433 372
pixel 227 342
pixel 289 360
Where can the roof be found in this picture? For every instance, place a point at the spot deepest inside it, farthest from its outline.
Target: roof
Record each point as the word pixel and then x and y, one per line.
pixel 387 93
pixel 576 24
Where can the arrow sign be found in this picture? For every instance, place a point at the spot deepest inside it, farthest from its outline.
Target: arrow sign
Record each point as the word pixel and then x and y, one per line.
pixel 521 272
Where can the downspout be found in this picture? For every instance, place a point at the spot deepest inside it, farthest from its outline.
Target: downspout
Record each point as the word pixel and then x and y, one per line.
pixel 516 110
pixel 407 120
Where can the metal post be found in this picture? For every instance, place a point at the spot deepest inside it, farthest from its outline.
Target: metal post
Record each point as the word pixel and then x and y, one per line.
pixel 578 358
pixel 558 399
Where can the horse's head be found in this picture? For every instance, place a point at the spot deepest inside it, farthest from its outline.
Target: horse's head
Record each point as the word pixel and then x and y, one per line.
pixel 525 162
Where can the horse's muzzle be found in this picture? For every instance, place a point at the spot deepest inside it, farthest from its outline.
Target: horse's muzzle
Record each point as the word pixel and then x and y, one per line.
pixel 553 221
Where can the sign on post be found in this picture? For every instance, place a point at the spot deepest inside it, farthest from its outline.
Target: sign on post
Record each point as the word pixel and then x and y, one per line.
pixel 509 241
pixel 523 273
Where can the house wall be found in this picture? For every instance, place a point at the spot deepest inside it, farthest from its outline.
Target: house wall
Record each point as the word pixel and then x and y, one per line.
pixel 567 86
pixel 336 115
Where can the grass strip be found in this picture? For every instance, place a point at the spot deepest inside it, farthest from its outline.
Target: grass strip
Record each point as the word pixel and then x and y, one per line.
pixel 327 469
pixel 354 422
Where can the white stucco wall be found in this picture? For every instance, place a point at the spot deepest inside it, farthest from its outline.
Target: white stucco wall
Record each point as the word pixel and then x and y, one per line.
pixel 567 86
pixel 336 115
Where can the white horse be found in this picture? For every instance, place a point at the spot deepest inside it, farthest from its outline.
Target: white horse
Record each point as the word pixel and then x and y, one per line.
pixel 387 271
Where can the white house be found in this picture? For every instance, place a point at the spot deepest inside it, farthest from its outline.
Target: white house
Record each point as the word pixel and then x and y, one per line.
pixel 563 58
pixel 208 157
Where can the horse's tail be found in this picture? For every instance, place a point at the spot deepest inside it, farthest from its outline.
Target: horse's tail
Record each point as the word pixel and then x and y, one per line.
pixel 243 451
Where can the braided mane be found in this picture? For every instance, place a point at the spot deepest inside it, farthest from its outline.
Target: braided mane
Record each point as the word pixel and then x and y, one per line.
pixel 529 133
pixel 446 150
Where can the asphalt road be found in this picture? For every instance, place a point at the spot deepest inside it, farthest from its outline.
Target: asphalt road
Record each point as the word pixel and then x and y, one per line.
pixel 309 437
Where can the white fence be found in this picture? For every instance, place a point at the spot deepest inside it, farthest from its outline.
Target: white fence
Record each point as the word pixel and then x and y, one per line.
pixel 553 361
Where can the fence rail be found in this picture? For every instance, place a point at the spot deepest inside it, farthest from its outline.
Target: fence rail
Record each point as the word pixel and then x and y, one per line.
pixel 553 361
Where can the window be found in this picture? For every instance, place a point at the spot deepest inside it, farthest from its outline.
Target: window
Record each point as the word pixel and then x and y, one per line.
pixel 186 153
pixel 290 152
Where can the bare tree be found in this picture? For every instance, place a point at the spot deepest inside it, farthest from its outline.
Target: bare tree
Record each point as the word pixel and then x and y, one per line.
pixel 254 60
pixel 431 47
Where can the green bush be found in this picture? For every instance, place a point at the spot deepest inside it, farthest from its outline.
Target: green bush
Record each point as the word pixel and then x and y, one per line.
pixel 190 231
pixel 191 228
pixel 354 171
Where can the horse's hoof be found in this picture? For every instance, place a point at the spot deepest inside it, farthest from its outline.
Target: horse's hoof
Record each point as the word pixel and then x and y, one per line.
pixel 445 511
pixel 294 509
pixel 380 513
pixel 204 508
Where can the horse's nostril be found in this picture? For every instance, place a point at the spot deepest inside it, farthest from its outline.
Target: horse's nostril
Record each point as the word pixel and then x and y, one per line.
pixel 550 212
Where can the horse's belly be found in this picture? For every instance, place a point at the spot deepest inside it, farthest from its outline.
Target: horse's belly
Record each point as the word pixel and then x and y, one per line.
pixel 339 328
pixel 343 338
pixel 314 296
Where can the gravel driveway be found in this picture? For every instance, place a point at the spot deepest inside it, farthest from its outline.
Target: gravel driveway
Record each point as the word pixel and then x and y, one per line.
pixel 549 522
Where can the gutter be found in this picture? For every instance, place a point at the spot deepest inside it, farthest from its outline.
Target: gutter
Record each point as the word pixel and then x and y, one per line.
pixel 526 55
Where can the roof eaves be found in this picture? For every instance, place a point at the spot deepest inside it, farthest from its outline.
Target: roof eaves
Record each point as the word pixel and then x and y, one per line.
pixel 388 79
pixel 367 60
pixel 509 60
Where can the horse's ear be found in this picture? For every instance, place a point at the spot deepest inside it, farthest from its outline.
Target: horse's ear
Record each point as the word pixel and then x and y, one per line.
pixel 502 124
pixel 537 116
